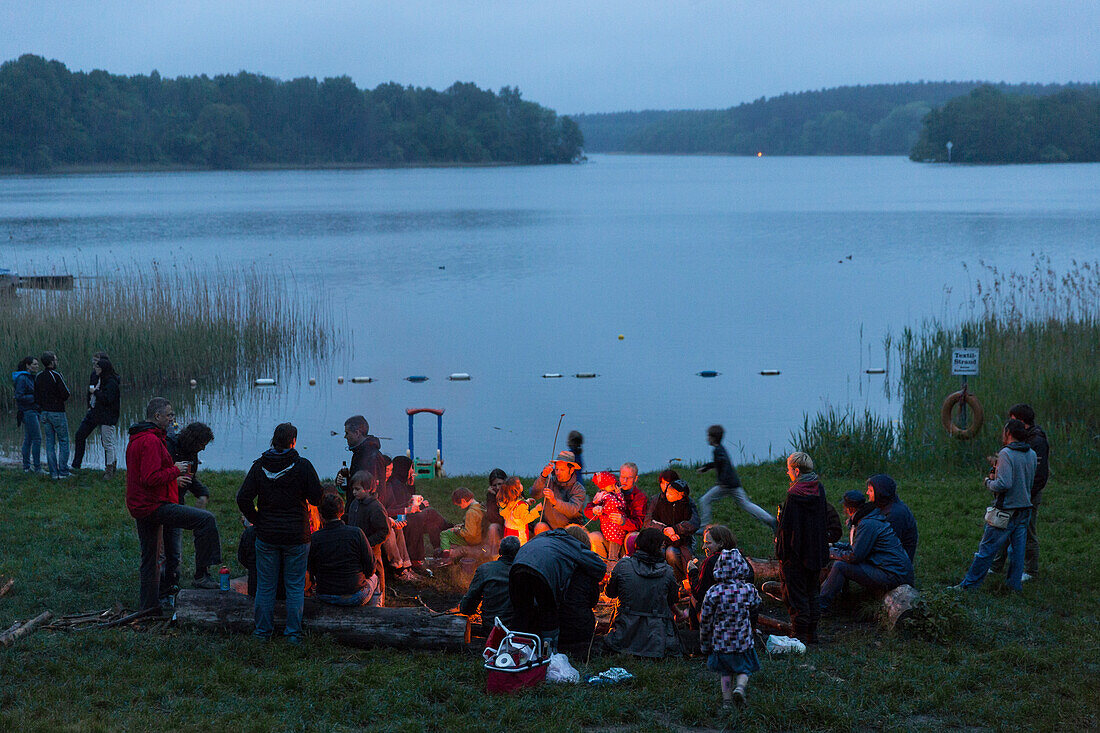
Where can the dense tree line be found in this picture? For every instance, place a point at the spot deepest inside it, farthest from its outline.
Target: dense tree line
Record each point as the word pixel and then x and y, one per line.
pixel 51 116
pixel 879 119
pixel 989 126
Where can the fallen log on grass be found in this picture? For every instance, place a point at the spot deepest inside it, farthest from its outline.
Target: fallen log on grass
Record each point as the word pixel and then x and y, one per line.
pixel 15 635
pixel 900 603
pixel 363 626
pixel 764 569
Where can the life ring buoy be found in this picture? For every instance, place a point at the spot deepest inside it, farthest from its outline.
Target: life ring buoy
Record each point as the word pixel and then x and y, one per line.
pixel 957 398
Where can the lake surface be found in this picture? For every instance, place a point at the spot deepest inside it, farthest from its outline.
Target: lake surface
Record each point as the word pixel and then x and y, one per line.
pixel 701 263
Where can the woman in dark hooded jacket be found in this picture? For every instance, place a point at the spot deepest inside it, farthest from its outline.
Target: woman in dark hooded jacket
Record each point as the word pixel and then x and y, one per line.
pixel 647 591
pixel 104 401
pixel 275 496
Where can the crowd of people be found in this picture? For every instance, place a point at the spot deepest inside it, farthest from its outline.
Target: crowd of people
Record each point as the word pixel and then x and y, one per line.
pixel 546 556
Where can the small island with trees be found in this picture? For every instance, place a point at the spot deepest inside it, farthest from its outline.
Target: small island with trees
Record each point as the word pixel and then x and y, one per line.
pixel 53 118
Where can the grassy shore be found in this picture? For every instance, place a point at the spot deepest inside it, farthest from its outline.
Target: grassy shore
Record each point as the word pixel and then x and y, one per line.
pixel 1028 661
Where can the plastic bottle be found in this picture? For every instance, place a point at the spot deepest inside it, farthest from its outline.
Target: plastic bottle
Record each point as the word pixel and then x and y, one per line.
pixel 223 576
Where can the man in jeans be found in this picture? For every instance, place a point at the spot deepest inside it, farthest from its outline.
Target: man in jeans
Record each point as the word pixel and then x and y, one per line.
pixel 152 498
pixel 50 393
pixel 1010 481
pixel 1037 439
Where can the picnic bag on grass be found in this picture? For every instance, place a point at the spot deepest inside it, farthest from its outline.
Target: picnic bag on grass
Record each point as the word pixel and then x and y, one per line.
pixel 513 660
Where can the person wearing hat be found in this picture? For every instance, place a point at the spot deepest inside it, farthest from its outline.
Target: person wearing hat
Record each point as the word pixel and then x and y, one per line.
pixel 675 514
pixel 882 491
pixel 563 496
pixel 489 589
pixel 876 559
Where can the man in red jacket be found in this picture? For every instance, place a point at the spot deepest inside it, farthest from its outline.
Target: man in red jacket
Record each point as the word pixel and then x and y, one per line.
pixel 152 498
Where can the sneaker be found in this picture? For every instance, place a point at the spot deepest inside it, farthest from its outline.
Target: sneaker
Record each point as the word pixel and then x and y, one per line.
pixel 418 567
pixel 408 576
pixel 1025 577
pixel 206 582
pixel 739 697
pixel 62 476
pixel 294 639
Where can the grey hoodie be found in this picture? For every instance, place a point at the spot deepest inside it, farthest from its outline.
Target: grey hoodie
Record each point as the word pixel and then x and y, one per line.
pixel 1013 477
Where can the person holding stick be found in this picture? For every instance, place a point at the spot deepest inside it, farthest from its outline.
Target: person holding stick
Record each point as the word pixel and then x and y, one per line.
pixel 563 497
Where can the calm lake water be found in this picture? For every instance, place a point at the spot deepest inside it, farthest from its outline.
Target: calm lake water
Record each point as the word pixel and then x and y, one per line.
pixel 701 263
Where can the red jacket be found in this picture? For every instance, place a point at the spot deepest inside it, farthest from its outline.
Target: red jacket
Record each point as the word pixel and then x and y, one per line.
pixel 634 517
pixel 150 472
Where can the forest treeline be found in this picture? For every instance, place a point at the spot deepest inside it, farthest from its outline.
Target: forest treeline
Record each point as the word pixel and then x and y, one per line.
pixel 990 126
pixel 51 116
pixel 877 119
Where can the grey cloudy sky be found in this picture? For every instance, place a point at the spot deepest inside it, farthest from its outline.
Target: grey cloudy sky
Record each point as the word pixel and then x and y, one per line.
pixel 594 56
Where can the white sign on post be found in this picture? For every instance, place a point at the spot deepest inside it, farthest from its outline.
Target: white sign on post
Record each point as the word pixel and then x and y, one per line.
pixel 964 362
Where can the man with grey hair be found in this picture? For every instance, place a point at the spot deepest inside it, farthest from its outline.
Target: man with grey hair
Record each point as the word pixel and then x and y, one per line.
pixel 152 498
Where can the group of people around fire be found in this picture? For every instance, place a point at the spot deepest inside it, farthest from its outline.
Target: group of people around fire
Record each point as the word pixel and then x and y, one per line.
pixel 545 558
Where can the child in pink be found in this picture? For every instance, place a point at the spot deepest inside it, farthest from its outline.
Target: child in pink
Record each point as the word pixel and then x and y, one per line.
pixel 609 500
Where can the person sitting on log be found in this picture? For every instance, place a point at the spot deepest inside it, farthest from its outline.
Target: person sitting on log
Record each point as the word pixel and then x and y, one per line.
pixel 420 517
pixel 647 591
pixel 396 497
pixel 489 590
pixel 562 494
pixel 492 524
pixel 882 491
pixel 876 559
pixel 540 576
pixel 516 511
pixel 609 507
pixel 341 561
pixel 674 513
pixel 368 514
pixel 459 539
pixel 576 616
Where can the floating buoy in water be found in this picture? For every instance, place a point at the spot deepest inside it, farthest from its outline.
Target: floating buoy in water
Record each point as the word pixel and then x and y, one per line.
pixel 264 382
pixel 339 380
pixel 707 373
pixel 551 376
pixel 586 375
pixel 416 378
pixel 312 381
pixel 876 371
pixel 769 372
pixel 621 337
pixel 459 377
pixel 362 380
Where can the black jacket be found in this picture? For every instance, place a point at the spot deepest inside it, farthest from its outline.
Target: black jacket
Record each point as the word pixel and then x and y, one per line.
pixel 681 515
pixel 490 589
pixel 397 497
pixel 727 474
pixel 575 614
pixel 178 454
pixel 556 555
pixel 274 496
pixel 366 457
pixel 801 537
pixel 1037 439
pixel 108 399
pixel 340 560
pixel 50 391
pixel 370 516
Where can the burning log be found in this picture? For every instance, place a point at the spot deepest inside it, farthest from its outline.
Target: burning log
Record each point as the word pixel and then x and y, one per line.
pixel 404 628
pixel 10 637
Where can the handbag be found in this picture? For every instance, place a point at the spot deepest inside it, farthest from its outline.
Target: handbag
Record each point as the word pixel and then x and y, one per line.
pixel 997 518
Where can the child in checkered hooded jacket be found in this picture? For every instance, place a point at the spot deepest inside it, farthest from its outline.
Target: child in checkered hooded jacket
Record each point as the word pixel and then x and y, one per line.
pixel 725 628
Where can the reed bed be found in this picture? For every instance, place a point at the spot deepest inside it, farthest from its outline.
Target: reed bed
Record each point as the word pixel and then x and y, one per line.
pixel 846 443
pixel 1039 335
pixel 163 329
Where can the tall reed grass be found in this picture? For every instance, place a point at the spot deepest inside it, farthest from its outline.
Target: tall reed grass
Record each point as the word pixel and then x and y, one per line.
pixel 1039 338
pixel 162 329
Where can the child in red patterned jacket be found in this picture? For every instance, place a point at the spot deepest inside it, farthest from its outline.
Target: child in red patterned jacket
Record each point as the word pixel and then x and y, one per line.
pixel 725 628
pixel 611 506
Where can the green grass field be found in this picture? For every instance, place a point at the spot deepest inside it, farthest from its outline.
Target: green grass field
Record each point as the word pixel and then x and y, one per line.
pixel 1027 661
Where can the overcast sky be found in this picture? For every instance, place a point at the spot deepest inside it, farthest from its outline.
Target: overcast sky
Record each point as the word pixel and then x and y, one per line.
pixel 593 56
